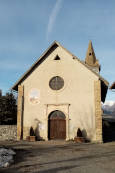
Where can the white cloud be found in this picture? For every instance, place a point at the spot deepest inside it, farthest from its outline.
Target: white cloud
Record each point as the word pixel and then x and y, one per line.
pixel 109 103
pixel 109 107
pixel 52 17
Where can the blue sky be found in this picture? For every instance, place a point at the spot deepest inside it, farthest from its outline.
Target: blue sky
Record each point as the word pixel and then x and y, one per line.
pixel 28 27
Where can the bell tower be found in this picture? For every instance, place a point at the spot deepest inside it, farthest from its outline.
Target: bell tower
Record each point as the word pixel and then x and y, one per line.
pixel 91 60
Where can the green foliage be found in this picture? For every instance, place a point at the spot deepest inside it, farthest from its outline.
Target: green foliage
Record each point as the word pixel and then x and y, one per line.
pixel 8 109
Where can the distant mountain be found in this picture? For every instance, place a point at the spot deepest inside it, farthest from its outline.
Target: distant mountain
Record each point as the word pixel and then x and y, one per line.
pixel 109 107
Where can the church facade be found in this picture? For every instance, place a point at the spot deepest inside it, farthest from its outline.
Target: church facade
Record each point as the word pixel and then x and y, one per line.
pixel 60 94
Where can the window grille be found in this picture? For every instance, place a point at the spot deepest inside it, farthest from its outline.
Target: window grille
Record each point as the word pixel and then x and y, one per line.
pixel 56 83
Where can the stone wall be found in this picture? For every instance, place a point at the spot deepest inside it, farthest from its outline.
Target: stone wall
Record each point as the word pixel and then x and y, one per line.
pixel 98 111
pixel 8 132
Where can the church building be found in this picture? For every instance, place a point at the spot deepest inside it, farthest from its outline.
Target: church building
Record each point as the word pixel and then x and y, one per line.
pixel 60 94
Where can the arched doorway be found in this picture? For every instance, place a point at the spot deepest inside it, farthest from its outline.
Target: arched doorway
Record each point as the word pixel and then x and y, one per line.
pixel 57 125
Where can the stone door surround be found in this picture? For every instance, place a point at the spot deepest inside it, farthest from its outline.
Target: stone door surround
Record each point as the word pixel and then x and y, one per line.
pixel 64 107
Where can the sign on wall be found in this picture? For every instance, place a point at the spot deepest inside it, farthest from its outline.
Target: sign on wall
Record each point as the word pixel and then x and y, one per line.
pixel 34 96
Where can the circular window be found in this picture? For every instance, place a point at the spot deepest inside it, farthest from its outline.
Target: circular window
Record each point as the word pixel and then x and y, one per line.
pixel 56 83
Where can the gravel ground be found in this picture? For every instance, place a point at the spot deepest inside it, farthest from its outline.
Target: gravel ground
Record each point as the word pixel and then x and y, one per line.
pixel 60 156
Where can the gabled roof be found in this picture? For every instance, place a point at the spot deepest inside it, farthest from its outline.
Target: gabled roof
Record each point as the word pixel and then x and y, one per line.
pixel 53 46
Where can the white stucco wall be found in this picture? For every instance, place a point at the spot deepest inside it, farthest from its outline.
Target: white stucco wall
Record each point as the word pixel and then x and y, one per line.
pixel 75 99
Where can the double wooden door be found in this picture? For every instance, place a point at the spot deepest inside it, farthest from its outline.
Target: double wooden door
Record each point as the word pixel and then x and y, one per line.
pixel 57 125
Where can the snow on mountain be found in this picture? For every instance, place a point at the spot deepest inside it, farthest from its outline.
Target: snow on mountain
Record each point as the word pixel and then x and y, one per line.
pixel 6 157
pixel 109 107
pixel 109 103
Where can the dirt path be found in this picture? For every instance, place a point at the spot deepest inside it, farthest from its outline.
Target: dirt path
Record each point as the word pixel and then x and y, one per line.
pixel 60 156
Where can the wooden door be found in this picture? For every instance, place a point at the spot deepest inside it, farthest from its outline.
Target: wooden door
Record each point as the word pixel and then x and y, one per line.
pixel 57 125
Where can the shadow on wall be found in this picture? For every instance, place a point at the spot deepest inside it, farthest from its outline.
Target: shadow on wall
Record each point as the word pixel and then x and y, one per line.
pixel 86 124
pixel 82 134
pixel 37 130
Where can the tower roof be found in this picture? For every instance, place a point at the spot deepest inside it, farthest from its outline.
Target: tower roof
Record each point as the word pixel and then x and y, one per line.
pixel 90 56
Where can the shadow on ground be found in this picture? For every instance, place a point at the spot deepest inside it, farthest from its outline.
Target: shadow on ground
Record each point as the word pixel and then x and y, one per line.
pixel 28 155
